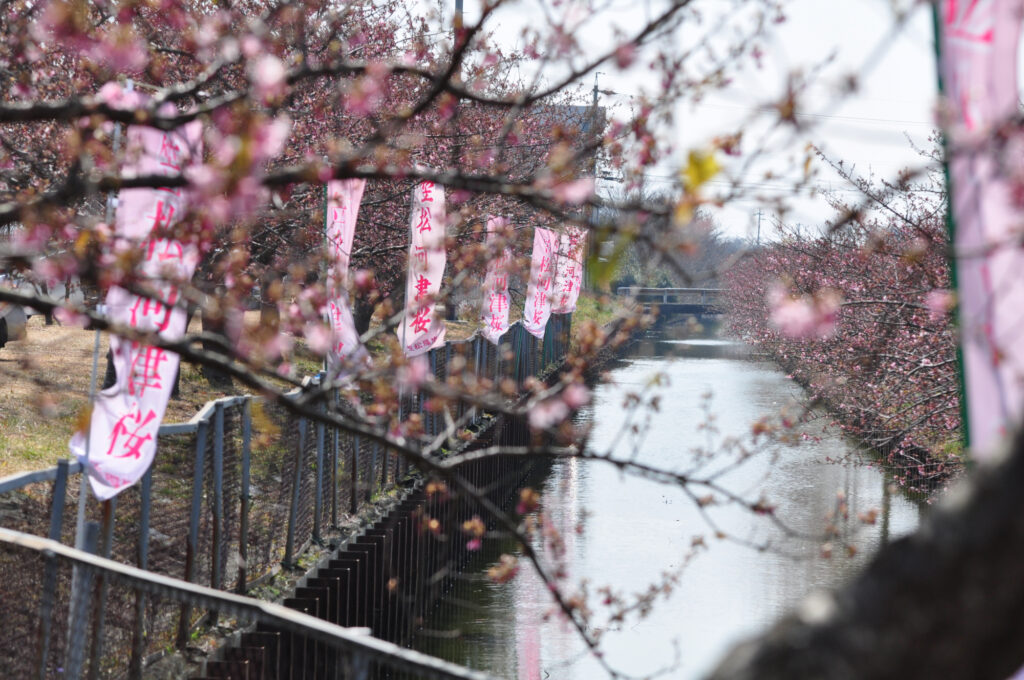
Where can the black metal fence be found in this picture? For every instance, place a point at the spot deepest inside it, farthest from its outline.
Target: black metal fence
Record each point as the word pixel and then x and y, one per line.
pixel 242 489
pixel 60 633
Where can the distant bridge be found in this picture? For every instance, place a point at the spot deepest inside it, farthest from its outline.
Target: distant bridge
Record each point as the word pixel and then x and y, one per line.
pixel 693 301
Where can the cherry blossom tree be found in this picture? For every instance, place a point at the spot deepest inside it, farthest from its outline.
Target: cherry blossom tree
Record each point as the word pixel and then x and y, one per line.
pixel 292 94
pixel 861 317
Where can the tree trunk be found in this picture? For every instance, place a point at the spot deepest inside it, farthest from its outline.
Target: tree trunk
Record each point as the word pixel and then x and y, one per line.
pixel 362 313
pixel 946 602
pixel 215 323
pixel 48 314
pixel 109 375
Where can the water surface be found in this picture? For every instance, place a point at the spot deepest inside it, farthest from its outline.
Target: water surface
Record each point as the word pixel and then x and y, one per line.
pixel 626 533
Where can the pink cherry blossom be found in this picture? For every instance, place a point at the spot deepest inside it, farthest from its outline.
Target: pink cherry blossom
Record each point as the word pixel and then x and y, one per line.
pixel 126 54
pixel 69 317
pixel 268 138
pixel 625 55
pixel 366 94
pixel 548 413
pixel 415 373
pixel 574 192
pixel 115 96
pixel 806 316
pixel 940 302
pixel 318 338
pixel 576 396
pixel 268 75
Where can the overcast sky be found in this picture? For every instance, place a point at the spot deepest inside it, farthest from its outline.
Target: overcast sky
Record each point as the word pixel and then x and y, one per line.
pixel 896 98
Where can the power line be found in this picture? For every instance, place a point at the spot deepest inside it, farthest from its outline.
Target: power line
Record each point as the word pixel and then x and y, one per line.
pixel 753 185
pixel 827 116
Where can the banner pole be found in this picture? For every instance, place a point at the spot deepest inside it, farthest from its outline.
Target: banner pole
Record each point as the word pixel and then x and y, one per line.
pixel 405 302
pixel 965 425
pixel 83 488
pixel 326 269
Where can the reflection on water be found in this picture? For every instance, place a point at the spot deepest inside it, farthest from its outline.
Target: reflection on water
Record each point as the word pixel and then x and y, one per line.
pixel 627 533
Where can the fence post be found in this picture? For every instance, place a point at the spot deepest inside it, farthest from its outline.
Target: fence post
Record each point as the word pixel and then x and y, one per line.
pixel 373 471
pixel 99 618
pixel 478 353
pixel 435 419
pixel 353 501
pixel 138 632
pixel 191 547
pixel 216 568
pixel 293 511
pixel 547 343
pixel 60 486
pixel 567 341
pixel 516 358
pixel 542 353
pixel 243 520
pixel 78 615
pixel 439 422
pixel 360 668
pixel 398 467
pixel 318 498
pixel 533 352
pixel 335 471
pixel 529 349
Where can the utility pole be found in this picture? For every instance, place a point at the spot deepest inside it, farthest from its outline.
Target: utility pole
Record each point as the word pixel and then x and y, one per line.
pixel 758 226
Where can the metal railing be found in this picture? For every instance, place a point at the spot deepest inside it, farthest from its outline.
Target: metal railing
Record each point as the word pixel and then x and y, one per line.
pixel 43 596
pixel 682 296
pixel 242 489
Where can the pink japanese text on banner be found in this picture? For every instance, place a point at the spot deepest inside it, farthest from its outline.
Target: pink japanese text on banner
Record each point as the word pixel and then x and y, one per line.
pixel 345 351
pixel 569 274
pixel 979 57
pixel 494 306
pixel 122 435
pixel 542 277
pixel 422 328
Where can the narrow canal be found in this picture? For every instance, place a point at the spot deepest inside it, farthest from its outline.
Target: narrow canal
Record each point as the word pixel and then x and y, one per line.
pixel 626 532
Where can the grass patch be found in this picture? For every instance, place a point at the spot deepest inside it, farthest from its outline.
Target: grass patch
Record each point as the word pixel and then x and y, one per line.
pixel 600 308
pixel 44 383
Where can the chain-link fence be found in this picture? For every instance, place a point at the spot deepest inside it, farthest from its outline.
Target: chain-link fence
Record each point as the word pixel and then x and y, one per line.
pixel 241 488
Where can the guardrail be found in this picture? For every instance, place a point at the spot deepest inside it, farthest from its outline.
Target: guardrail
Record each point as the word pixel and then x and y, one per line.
pixel 238 492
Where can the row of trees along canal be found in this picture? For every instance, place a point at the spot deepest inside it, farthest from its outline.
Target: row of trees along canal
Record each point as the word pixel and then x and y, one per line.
pixel 294 93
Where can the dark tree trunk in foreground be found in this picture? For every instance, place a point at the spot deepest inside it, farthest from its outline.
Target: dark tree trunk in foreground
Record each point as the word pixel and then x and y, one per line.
pixel 946 602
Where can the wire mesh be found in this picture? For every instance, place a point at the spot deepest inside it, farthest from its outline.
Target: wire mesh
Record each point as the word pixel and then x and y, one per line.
pixel 53 598
pixel 200 522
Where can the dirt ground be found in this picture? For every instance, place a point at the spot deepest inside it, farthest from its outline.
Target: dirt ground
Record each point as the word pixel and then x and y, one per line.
pixel 44 390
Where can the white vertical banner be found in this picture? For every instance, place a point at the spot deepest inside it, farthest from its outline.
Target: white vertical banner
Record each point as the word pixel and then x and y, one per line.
pixel 122 434
pixel 542 276
pixel 423 328
pixel 345 351
pixel 569 272
pixel 494 306
pixel 979 67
